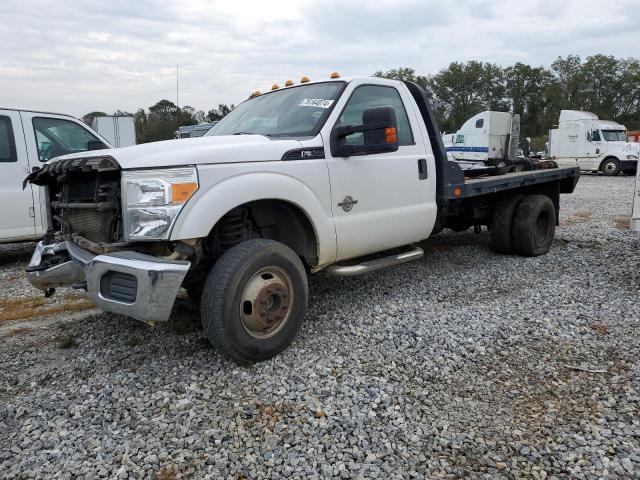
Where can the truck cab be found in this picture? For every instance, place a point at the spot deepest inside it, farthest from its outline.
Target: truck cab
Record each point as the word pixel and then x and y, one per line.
pixel 28 140
pixel 593 145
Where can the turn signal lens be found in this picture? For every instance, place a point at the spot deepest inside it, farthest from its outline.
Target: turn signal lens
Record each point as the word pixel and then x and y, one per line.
pixel 391 135
pixel 335 75
pixel 275 86
pixel 457 191
pixel 288 83
pixel 181 192
pixel 304 80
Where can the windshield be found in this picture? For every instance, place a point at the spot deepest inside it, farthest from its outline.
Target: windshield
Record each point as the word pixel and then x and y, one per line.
pixel 290 112
pixel 614 135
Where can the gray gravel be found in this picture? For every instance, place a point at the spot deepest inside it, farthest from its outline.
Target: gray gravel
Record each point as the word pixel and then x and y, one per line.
pixel 464 364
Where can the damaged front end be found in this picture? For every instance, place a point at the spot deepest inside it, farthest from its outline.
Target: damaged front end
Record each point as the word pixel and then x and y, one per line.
pixel 85 246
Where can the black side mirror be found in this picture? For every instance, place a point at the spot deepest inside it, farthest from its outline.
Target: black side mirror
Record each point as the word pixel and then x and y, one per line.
pixel 95 145
pixel 379 131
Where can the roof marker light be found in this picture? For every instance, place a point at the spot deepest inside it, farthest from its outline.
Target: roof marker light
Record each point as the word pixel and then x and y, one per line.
pixel 304 80
pixel 275 86
pixel 256 93
pixel 335 75
pixel 288 83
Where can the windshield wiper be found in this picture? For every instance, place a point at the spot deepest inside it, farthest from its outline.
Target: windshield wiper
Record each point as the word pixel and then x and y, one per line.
pixel 245 133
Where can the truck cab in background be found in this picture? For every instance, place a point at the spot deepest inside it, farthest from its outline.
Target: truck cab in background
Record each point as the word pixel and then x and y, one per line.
pixel 583 140
pixel 28 139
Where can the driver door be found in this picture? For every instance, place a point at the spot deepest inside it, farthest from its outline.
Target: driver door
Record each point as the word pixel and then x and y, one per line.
pixel 383 200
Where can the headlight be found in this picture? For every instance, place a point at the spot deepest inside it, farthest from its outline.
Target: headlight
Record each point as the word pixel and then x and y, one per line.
pixel 152 199
pixel 632 157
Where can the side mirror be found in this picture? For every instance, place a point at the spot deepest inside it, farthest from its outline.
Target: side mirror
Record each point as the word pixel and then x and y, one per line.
pixel 588 136
pixel 379 134
pixel 95 145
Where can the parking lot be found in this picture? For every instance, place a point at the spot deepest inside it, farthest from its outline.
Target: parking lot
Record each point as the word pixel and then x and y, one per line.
pixel 465 363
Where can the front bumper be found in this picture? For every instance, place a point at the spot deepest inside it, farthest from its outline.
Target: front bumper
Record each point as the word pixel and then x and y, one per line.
pixel 130 283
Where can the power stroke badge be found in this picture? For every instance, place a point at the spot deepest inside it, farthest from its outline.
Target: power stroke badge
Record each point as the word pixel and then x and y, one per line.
pixel 348 203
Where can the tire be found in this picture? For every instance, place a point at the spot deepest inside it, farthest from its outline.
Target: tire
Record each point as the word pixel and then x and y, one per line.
pixel 502 222
pixel 254 300
pixel 610 167
pixel 534 226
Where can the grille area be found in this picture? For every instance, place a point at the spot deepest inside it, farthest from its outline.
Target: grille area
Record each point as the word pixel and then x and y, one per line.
pixel 84 196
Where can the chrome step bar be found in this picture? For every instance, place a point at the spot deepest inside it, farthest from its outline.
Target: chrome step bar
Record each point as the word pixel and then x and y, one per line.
pixel 413 253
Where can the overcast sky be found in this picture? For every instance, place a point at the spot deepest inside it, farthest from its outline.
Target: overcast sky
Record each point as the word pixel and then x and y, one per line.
pixel 75 56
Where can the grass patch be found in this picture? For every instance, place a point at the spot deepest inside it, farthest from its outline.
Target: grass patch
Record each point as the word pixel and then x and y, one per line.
pixel 600 328
pixel 33 307
pixel 622 222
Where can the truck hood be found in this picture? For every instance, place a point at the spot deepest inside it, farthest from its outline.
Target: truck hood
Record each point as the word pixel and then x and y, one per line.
pixel 195 151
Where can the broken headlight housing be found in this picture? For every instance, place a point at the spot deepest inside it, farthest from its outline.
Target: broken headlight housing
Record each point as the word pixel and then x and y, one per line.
pixel 152 200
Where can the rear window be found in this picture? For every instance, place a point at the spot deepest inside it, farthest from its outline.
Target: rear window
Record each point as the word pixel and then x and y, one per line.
pixel 7 141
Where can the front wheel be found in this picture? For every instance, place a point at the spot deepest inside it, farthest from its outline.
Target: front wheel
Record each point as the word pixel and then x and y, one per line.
pixel 254 300
pixel 611 167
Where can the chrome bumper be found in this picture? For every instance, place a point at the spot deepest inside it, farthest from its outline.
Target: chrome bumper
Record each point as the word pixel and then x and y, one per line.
pixel 129 283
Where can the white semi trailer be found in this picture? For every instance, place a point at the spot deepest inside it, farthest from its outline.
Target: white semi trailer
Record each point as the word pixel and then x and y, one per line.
pixel 118 129
pixel 583 140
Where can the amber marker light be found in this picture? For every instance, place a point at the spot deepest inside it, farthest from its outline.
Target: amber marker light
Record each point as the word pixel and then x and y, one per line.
pixel 275 86
pixel 335 75
pixel 457 191
pixel 181 192
pixel 391 135
pixel 304 80
pixel 288 83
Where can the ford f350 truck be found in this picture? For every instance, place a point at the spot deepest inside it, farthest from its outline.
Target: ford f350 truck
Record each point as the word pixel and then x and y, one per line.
pixel 342 176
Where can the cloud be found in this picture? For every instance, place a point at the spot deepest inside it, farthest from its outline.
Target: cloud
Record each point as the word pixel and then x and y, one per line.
pixel 75 57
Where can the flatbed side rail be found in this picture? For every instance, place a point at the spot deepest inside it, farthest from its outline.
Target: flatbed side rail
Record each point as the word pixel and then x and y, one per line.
pixel 567 177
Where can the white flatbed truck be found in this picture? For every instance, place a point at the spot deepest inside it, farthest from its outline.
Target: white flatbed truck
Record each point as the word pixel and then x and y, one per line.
pixel 342 176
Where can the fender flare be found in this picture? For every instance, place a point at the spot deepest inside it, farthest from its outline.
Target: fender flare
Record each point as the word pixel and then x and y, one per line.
pixel 212 202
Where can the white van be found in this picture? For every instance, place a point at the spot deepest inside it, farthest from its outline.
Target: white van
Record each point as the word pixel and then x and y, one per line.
pixel 27 140
pixel 583 140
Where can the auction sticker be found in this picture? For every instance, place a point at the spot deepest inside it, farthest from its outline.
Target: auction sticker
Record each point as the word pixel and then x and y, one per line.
pixel 315 102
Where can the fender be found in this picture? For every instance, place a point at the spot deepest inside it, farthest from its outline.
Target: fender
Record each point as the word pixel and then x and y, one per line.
pixel 214 199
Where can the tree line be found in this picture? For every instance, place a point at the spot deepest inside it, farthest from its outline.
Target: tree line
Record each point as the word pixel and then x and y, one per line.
pixel 162 120
pixel 604 85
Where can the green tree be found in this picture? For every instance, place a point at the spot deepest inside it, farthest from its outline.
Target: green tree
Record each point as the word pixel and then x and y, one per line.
pixel 89 117
pixel 217 114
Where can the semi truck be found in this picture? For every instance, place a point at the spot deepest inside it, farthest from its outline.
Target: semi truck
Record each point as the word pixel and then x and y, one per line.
pixel 343 176
pixel 489 138
pixel 583 140
pixel 29 139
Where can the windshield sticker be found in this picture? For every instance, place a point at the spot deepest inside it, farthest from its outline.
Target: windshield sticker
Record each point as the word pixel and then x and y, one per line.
pixel 315 102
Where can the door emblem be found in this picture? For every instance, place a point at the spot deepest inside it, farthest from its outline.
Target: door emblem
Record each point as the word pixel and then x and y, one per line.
pixel 348 203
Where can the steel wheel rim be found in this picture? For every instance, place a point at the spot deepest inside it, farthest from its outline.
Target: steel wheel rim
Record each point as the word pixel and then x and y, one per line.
pixel 609 167
pixel 266 302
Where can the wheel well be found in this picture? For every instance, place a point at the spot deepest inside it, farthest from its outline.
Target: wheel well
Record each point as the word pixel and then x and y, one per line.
pixel 610 157
pixel 273 219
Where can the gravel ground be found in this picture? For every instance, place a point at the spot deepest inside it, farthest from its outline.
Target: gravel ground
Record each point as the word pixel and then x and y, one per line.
pixel 464 364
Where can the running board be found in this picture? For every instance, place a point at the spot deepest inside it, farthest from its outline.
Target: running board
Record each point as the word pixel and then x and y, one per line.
pixel 413 253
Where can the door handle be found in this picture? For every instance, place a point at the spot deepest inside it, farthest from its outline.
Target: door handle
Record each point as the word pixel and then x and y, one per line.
pixel 422 169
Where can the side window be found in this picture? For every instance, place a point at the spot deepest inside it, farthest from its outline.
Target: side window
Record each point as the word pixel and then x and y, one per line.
pixel 7 141
pixel 480 123
pixel 368 96
pixel 460 138
pixel 595 136
pixel 55 137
